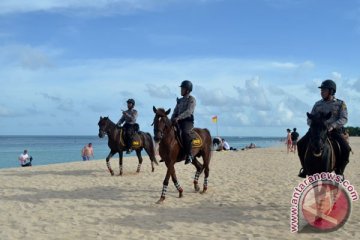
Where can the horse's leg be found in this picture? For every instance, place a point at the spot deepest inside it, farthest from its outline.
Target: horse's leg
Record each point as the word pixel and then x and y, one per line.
pixel 138 154
pixel 199 169
pixel 121 163
pixel 165 184
pixel 108 162
pixel 206 172
pixel 175 181
pixel 151 154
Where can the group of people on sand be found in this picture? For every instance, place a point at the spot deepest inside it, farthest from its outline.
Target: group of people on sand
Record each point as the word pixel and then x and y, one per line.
pixel 291 140
pixel 25 159
pixel 220 144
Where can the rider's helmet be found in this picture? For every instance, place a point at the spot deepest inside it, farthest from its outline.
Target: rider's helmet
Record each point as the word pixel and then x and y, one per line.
pixel 187 85
pixel 132 101
pixel 329 84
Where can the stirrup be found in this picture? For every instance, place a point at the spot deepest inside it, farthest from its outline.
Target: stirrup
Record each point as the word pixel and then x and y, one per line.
pixel 188 159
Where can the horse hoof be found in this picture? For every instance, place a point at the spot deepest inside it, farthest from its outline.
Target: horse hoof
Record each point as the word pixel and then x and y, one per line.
pixel 204 191
pixel 112 173
pixel 137 171
pixel 161 200
pixel 120 174
pixel 153 170
pixel 197 188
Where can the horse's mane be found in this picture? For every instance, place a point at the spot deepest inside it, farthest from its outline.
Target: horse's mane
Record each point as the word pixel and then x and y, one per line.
pixel 161 112
pixel 318 119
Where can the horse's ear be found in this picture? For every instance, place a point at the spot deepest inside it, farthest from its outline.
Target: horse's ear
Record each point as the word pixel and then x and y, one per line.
pixel 327 116
pixel 100 117
pixel 154 109
pixel 309 115
pixel 168 111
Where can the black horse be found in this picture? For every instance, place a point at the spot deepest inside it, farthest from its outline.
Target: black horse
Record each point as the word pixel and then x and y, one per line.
pixel 321 155
pixel 321 152
pixel 116 144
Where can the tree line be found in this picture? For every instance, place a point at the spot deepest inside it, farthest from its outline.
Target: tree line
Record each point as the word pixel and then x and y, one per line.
pixel 353 131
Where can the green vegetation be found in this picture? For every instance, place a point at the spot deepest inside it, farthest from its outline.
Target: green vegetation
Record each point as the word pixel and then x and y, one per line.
pixel 353 131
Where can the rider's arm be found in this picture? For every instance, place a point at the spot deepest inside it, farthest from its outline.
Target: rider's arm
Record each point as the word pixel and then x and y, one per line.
pixel 132 116
pixel 343 117
pixel 122 119
pixel 176 110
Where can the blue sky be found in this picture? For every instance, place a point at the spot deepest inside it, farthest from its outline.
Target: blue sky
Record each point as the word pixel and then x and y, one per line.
pixel 254 63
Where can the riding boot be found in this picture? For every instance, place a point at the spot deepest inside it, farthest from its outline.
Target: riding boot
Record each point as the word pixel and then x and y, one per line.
pixel 128 146
pixel 189 157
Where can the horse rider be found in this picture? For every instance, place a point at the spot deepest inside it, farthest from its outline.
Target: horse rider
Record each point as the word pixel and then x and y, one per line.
pixel 129 117
pixel 183 116
pixel 335 126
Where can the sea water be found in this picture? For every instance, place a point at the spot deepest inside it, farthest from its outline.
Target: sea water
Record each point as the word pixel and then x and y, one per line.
pixel 61 149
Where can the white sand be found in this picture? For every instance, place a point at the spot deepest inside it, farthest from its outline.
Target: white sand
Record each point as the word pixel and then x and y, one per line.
pixel 248 197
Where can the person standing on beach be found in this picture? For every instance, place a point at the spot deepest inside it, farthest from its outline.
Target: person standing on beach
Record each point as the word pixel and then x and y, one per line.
pixel 335 125
pixel 183 116
pixel 129 117
pixel 294 139
pixel 87 152
pixel 288 140
pixel 25 159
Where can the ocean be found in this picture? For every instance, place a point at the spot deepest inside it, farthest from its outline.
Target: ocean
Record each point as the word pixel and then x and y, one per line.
pixel 61 149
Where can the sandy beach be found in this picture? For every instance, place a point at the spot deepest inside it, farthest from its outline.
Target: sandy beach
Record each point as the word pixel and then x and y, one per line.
pixel 248 198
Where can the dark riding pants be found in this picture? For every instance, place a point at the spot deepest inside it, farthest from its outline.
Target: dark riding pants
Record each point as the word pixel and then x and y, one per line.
pixel 186 135
pixel 129 132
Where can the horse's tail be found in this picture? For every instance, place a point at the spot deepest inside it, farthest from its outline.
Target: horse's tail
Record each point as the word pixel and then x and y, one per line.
pixel 151 148
pixel 209 142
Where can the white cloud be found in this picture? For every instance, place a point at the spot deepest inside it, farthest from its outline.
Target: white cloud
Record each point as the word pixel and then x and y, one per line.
pixel 103 7
pixel 254 95
pixel 160 91
pixel 28 57
pixel 336 76
pixel 80 91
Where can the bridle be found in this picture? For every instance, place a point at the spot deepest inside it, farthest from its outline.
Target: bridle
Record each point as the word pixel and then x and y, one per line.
pixel 322 138
pixel 103 129
pixel 159 132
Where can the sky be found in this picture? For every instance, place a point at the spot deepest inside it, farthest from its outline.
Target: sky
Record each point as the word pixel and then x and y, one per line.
pixel 256 64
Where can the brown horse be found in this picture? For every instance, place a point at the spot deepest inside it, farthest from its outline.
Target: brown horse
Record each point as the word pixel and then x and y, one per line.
pixel 116 144
pixel 171 151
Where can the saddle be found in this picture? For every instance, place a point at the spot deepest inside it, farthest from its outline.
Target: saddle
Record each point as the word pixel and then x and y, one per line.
pixel 136 139
pixel 197 142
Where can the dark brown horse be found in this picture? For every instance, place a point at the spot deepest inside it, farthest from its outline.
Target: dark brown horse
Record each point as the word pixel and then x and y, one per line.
pixel 320 157
pixel 116 144
pixel 171 151
pixel 322 152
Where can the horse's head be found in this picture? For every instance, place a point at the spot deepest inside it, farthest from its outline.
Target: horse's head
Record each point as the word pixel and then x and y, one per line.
pixel 318 132
pixel 161 122
pixel 103 126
